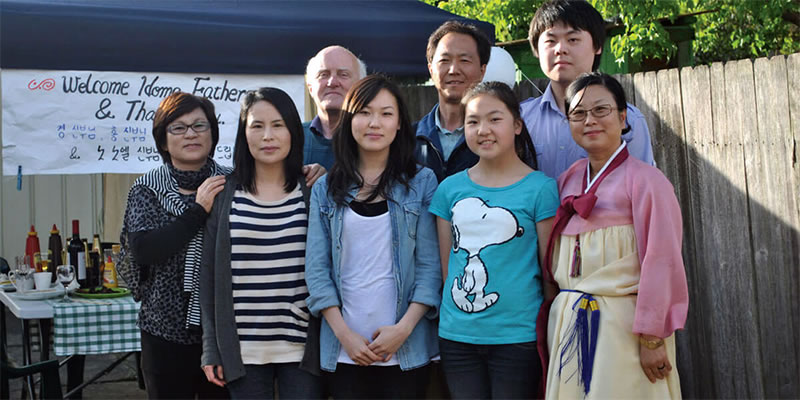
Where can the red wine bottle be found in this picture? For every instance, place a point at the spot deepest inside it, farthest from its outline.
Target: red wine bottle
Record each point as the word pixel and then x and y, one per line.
pixel 77 254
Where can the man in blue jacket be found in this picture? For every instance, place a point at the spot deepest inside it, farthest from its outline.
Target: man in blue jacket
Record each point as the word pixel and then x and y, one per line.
pixel 457 56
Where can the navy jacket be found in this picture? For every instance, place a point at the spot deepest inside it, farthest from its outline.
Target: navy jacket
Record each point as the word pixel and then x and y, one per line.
pixel 429 149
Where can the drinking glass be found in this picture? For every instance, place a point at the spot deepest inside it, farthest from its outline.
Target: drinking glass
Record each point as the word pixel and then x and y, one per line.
pixel 66 273
pixel 22 272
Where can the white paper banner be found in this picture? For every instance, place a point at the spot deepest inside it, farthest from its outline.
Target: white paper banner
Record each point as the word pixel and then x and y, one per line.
pixel 83 122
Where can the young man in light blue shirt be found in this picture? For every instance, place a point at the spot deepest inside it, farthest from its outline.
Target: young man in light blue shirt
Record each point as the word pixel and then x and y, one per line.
pixel 567 36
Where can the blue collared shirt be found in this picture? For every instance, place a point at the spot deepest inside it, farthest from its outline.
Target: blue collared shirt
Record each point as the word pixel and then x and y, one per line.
pixel 448 139
pixel 555 149
pixel 317 149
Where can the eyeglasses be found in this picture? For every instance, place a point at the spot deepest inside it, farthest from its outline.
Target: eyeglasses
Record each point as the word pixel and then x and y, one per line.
pixel 197 127
pixel 597 112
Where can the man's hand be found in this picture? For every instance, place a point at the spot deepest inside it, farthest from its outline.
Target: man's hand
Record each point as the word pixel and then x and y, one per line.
pixel 312 173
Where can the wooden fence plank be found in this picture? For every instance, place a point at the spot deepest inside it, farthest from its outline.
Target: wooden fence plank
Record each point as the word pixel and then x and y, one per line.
pixel 646 95
pixel 768 160
pixel 673 164
pixel 694 363
pixel 793 67
pixel 741 371
pixel 626 81
pixel 420 100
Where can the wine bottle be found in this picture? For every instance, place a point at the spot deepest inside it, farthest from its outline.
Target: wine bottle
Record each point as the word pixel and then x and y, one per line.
pixel 77 254
pixel 97 248
pixel 93 269
pixel 54 251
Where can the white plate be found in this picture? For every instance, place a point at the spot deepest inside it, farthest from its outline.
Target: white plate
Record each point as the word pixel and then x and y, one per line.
pixel 53 292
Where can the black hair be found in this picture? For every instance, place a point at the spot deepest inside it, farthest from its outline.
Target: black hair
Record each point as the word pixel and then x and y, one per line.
pixel 481 40
pixel 499 90
pixel 401 165
pixel 243 161
pixel 578 14
pixel 600 79
pixel 175 106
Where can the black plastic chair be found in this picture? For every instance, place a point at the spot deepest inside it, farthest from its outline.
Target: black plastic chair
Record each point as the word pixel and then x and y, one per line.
pixel 51 381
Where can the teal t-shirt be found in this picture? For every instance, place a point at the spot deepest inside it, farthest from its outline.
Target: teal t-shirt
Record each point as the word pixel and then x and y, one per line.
pixel 493 289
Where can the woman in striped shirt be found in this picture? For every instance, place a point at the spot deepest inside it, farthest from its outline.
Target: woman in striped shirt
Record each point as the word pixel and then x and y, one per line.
pixel 253 291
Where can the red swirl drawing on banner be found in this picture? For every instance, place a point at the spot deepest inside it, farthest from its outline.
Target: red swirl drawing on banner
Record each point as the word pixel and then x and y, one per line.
pixel 47 84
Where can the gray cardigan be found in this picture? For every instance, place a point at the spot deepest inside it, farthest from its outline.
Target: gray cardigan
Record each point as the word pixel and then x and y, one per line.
pixel 220 340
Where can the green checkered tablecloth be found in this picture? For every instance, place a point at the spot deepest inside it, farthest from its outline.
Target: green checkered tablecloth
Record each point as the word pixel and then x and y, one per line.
pixel 96 326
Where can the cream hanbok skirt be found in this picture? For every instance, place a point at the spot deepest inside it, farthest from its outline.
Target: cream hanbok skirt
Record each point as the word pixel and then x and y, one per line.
pixel 610 272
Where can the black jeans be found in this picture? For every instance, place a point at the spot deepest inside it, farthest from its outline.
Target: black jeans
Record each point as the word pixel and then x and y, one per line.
pixel 172 371
pixel 357 382
pixel 259 383
pixel 502 371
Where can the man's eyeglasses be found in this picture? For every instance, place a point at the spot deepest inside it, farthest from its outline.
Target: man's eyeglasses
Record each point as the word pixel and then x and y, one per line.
pixel 601 111
pixel 197 127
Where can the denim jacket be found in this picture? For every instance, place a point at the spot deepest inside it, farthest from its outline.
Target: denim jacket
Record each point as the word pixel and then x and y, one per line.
pixel 415 261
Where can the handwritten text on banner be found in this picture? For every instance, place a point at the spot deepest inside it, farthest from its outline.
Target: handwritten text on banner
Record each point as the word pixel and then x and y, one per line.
pixel 82 122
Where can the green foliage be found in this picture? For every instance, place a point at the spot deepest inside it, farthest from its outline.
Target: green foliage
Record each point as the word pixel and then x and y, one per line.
pixel 511 18
pixel 644 36
pixel 746 29
pixel 735 29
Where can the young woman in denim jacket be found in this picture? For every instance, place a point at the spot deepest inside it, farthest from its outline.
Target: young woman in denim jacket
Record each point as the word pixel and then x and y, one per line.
pixel 371 259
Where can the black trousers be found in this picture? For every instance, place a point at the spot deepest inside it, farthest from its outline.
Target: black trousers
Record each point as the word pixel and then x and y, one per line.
pixel 172 371
pixel 356 382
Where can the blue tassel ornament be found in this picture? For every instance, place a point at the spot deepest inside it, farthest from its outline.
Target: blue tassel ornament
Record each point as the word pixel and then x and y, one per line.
pixel 581 342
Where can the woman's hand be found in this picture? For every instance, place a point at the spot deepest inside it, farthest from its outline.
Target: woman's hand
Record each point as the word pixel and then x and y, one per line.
pixel 216 378
pixel 208 191
pixel 387 339
pixel 655 363
pixel 313 172
pixel 357 348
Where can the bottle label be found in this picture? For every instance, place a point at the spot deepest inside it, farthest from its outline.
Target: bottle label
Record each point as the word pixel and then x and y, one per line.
pixel 81 265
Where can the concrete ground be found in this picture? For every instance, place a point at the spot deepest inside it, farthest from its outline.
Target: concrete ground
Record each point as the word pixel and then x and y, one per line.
pixel 120 383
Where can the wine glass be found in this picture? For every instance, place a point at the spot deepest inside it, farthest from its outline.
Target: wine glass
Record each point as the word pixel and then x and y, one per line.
pixel 65 273
pixel 23 271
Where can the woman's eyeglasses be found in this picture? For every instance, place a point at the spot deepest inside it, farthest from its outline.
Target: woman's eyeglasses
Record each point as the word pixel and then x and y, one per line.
pixel 197 127
pixel 579 115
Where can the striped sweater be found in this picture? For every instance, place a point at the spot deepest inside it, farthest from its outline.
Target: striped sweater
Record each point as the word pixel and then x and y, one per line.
pixel 267 266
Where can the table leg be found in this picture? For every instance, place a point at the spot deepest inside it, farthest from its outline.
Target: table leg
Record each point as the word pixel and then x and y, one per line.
pixel 45 330
pixel 75 375
pixel 26 357
pixel 139 376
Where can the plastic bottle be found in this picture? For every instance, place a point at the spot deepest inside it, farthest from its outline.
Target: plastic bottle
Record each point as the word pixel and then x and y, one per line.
pixel 32 250
pixel 110 270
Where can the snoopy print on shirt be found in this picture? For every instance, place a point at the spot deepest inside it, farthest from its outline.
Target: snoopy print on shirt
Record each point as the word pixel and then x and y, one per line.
pixel 476 226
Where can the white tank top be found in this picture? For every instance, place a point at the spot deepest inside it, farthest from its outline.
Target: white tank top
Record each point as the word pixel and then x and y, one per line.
pixel 369 290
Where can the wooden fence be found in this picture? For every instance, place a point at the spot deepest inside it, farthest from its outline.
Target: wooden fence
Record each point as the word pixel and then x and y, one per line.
pixel 726 137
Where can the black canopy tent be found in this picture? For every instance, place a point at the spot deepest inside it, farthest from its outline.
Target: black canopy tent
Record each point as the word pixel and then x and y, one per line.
pixel 215 36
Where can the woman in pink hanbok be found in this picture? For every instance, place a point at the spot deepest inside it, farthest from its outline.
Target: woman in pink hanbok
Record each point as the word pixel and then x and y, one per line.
pixel 616 277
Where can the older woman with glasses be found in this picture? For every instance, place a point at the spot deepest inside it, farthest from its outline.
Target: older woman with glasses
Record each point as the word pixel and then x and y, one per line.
pixel 162 244
pixel 615 254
